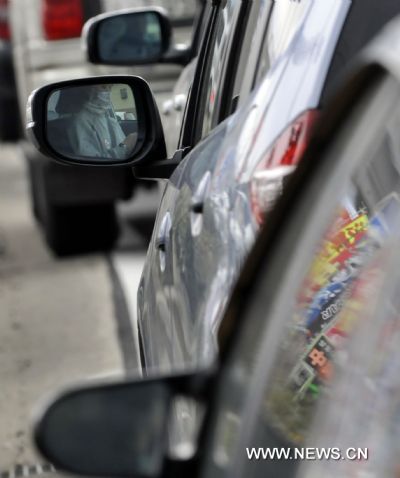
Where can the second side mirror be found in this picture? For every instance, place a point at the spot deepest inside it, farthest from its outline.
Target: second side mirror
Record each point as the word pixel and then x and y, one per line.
pixel 130 37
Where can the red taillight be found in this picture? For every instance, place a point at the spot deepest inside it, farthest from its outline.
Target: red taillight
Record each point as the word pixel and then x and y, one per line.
pixel 4 28
pixel 280 161
pixel 62 19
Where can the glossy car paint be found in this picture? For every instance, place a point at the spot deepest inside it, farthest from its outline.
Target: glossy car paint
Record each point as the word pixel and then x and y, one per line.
pixel 195 256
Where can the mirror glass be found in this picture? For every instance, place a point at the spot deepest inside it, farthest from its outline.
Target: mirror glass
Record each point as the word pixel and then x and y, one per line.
pixel 93 122
pixel 131 38
pixel 114 430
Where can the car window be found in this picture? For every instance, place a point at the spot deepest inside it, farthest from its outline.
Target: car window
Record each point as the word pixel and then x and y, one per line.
pixel 229 64
pixel 200 33
pixel 285 19
pixel 219 78
pixel 248 54
pixel 208 107
pixel 317 290
pixel 199 27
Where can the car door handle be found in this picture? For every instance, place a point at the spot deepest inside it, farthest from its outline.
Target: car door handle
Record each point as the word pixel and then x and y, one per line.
pixel 197 206
pixel 162 240
pixel 161 244
pixel 199 197
pixel 164 233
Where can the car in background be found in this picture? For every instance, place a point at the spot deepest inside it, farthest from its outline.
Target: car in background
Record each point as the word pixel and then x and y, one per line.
pixel 278 62
pixel 46 47
pixel 10 122
pixel 180 12
pixel 173 105
pixel 289 396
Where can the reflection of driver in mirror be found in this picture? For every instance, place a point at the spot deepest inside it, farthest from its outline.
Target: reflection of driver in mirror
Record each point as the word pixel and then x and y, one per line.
pixel 95 131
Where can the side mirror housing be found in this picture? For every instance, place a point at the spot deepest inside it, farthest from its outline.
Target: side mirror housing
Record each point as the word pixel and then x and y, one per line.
pixel 119 429
pixel 131 37
pixel 108 120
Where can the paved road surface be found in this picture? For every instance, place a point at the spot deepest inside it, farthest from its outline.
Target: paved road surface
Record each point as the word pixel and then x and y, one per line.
pixel 60 321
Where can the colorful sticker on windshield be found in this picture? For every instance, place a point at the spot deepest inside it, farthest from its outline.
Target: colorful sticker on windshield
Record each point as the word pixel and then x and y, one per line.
pixel 329 311
pixel 331 263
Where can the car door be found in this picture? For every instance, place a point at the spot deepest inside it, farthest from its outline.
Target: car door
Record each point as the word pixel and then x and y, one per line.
pixel 296 64
pixel 193 183
pixel 240 183
pixel 316 310
pixel 208 239
pixel 154 322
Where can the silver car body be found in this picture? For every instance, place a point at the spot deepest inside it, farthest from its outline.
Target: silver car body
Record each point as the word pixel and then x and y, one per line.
pixel 185 285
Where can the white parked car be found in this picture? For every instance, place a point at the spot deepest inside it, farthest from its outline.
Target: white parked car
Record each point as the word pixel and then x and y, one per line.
pixel 46 47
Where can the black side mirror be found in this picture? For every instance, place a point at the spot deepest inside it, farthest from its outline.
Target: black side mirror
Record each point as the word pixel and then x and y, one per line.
pixel 115 429
pixel 109 120
pixel 131 37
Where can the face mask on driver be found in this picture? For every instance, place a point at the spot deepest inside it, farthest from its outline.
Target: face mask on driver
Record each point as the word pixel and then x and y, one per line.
pixel 102 98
